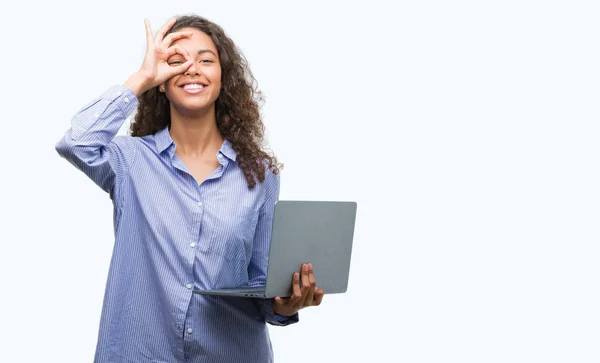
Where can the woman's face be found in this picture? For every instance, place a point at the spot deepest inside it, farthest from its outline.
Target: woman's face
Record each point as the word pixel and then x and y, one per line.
pixel 197 89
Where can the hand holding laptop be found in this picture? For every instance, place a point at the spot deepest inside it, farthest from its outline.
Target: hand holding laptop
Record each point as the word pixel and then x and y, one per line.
pixel 305 296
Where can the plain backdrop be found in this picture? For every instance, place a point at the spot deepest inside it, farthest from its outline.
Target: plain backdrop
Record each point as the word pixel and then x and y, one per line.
pixel 467 131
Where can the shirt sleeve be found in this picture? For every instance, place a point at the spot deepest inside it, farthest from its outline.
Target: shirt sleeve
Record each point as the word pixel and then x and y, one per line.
pixel 91 144
pixel 257 270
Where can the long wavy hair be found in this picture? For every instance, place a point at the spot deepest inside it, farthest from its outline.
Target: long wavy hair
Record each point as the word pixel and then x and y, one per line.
pixel 236 108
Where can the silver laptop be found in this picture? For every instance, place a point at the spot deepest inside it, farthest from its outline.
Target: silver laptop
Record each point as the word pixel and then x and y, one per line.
pixel 319 232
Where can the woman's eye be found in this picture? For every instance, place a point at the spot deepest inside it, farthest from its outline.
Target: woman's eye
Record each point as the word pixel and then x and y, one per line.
pixel 206 61
pixel 175 62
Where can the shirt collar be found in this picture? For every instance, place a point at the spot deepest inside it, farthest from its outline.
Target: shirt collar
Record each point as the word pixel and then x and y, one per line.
pixel 227 150
pixel 163 141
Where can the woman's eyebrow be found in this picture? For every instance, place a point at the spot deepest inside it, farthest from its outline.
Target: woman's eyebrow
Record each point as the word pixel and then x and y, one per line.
pixel 202 51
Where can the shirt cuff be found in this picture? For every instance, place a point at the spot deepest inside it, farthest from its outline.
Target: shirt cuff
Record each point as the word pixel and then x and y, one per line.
pixel 285 320
pixel 123 98
pixel 275 319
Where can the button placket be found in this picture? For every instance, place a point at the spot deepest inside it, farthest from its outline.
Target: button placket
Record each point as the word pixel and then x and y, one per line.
pixel 197 220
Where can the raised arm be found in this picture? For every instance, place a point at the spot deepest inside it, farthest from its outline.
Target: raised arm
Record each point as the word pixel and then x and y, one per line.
pixel 90 144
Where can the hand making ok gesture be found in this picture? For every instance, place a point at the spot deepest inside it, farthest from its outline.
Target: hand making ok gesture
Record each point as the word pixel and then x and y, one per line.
pixel 155 70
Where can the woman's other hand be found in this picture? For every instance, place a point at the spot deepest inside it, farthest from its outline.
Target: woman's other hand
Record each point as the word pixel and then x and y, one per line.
pixel 305 296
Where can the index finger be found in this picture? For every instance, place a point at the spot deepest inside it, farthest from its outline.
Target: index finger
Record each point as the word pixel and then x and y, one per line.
pixel 176 49
pixel 148 32
pixel 175 36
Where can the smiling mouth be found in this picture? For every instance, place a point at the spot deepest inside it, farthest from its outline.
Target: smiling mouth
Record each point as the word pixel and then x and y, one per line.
pixel 194 88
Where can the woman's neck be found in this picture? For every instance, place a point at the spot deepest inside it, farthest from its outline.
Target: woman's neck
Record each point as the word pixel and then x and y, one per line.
pixel 197 135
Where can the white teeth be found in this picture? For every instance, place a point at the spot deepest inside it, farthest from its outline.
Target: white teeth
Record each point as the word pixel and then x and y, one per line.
pixel 193 86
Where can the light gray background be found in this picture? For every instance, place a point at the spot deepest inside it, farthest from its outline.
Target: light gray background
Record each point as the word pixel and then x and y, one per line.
pixel 467 131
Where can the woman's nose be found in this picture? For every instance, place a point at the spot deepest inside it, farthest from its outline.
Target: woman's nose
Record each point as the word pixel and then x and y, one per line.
pixel 193 70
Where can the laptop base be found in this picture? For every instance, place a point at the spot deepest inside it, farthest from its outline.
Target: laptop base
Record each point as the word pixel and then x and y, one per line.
pixel 253 292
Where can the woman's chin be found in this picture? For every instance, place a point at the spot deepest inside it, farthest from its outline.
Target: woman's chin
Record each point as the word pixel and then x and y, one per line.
pixel 194 108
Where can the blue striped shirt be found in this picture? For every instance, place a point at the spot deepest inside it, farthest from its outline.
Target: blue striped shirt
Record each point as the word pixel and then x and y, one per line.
pixel 172 236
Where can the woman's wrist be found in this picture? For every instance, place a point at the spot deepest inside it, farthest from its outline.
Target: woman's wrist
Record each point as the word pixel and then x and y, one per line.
pixel 138 83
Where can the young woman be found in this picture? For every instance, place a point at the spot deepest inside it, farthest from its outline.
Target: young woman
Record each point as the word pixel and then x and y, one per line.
pixel 193 196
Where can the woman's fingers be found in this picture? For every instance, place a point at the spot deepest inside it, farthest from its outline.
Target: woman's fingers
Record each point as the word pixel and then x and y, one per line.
pixel 161 33
pixel 297 294
pixel 155 66
pixel 312 285
pixel 175 36
pixel 149 37
pixel 307 295
pixel 171 51
pixel 305 286
pixel 181 67
pixel 319 293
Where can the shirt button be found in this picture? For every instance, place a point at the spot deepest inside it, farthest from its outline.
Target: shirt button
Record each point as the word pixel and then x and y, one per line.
pixel 199 204
pixel 126 100
pixel 190 330
pixel 189 286
pixel 96 115
pixel 193 244
pixel 119 93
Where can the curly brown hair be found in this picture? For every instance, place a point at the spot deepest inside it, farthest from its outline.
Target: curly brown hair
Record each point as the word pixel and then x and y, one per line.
pixel 236 108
